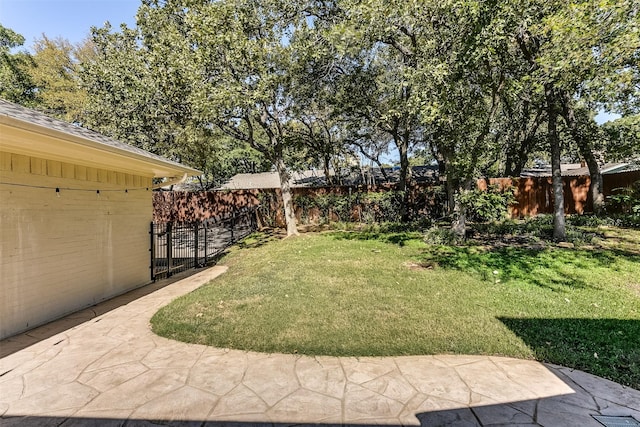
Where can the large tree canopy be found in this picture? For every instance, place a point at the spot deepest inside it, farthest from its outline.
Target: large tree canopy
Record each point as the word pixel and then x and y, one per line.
pixel 55 72
pixel 15 82
pixel 482 86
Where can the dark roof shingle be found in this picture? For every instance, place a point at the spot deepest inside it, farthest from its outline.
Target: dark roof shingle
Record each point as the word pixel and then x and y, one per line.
pixel 37 118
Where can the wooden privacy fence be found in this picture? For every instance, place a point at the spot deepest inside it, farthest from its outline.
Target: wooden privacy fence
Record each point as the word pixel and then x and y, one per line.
pixel 535 195
pixel 182 206
pixel 190 206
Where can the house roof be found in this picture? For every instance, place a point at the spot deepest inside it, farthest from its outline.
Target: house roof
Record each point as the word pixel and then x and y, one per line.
pixel 373 176
pixel 578 170
pixel 315 178
pixel 29 132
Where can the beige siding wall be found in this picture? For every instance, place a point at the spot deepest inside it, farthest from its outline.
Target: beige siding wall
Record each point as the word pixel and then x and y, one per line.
pixel 60 252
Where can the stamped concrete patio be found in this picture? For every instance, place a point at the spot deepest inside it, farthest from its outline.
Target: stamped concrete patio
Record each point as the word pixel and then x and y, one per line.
pixel 104 366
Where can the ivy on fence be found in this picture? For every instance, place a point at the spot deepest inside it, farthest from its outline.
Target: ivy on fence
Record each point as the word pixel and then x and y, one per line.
pixel 370 206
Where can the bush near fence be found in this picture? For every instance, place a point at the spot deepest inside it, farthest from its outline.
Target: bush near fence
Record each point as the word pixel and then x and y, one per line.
pixel 315 205
pixel 366 204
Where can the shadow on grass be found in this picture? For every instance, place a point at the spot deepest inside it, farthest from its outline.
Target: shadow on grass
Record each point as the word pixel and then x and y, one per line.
pixel 396 238
pixel 261 238
pixel 608 348
pixel 551 268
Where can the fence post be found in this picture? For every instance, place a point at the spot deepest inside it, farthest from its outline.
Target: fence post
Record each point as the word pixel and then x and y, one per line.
pixel 169 231
pixel 206 244
pixel 233 217
pixel 196 247
pixel 152 251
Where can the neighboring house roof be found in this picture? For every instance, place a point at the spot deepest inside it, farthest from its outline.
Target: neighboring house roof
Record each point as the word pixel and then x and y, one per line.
pixel 29 132
pixel 579 170
pixel 316 178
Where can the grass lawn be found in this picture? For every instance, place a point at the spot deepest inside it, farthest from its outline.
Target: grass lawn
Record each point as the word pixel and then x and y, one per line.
pixel 381 294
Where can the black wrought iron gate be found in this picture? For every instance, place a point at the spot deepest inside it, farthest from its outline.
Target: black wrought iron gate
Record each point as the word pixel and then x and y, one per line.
pixel 177 247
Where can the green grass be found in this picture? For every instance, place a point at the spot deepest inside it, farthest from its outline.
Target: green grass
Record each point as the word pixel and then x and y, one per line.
pixel 383 293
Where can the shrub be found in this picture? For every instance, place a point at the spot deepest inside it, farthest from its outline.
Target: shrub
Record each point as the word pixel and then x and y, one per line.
pixel 441 236
pixel 427 202
pixel 499 228
pixel 491 204
pixel 342 206
pixel 587 220
pixel 373 207
pixel 621 220
pixel 580 237
pixel 324 202
pixel 540 225
pixel 626 199
pixel 383 207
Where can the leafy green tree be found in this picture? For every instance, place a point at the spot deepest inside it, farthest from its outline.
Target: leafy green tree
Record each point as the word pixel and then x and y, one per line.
pixel 220 157
pixel 594 55
pixel 320 139
pixel 318 132
pixel 521 128
pixel 461 85
pixel 137 93
pixel 240 59
pixel 15 82
pixel 578 51
pixel 622 138
pixel 122 99
pixel 479 85
pixel 379 43
pixel 55 72
pixel 531 40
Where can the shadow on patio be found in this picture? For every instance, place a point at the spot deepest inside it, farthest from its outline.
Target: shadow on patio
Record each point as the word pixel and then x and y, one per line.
pixel 23 340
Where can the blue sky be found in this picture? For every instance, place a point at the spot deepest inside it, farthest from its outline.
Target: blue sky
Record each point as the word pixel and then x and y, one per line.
pixel 70 19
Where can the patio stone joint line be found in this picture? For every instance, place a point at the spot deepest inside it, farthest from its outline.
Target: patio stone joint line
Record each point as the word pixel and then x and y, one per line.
pixel 535 411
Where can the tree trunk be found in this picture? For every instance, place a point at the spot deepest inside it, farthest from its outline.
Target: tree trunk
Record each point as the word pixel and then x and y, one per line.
pixel 402 142
pixel 327 170
pixel 405 177
pixel 405 172
pixel 459 224
pixel 455 209
pixel 285 189
pixel 451 181
pixel 452 186
pixel 596 188
pixel 559 227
